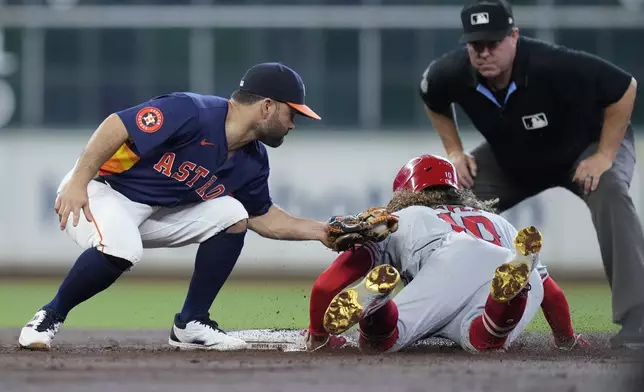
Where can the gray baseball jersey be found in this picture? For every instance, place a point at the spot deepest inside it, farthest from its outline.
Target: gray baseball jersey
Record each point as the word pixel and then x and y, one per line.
pixel 447 257
pixel 422 228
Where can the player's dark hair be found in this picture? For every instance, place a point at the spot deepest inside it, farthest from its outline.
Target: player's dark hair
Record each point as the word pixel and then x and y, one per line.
pixel 438 196
pixel 245 98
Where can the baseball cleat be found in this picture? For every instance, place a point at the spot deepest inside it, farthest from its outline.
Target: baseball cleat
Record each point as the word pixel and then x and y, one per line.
pixel 352 304
pixel 40 330
pixel 511 278
pixel 528 241
pixel 202 335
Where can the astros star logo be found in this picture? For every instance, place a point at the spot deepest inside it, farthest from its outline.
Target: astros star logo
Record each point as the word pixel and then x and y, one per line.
pixel 149 119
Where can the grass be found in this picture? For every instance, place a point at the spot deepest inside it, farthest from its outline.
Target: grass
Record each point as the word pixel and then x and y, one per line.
pixel 134 303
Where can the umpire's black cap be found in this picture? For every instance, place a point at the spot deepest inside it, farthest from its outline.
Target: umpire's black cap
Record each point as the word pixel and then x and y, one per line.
pixel 486 20
pixel 279 82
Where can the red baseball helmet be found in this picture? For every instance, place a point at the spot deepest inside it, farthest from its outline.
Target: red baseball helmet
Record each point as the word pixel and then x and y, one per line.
pixel 425 171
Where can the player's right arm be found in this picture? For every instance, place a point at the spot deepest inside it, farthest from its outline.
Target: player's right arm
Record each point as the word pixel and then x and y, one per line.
pixel 168 115
pixel 107 138
pixel 436 93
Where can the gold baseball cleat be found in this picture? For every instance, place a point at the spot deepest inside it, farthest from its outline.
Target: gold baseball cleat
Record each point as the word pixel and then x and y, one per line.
pixel 512 277
pixel 528 241
pixel 352 304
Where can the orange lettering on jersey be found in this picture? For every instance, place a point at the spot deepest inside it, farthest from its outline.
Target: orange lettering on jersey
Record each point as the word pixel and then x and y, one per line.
pixel 200 172
pixel 164 166
pixel 215 192
pixel 184 171
pixel 201 191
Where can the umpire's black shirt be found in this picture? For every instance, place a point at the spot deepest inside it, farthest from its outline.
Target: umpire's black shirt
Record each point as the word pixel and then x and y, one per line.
pixel 550 112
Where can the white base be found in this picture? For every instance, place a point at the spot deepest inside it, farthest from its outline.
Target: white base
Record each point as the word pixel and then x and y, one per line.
pixel 293 340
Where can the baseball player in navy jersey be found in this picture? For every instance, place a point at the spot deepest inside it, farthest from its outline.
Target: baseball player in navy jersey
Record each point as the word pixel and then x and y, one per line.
pixel 179 169
pixel 468 274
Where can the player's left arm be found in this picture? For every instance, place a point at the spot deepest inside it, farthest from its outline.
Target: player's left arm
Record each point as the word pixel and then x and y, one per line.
pixel 280 225
pixel 269 220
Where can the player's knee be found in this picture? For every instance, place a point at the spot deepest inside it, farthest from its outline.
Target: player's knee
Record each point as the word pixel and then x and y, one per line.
pixel 236 213
pixel 130 252
pixel 118 262
pixel 225 214
pixel 239 227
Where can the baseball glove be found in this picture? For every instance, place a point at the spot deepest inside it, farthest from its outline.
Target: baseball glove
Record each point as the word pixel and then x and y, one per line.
pixel 373 224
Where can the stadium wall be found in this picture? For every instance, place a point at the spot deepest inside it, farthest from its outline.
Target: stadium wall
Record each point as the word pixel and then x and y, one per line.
pixel 314 174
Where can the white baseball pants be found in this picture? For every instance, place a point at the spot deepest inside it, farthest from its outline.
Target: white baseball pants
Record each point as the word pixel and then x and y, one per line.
pixel 123 228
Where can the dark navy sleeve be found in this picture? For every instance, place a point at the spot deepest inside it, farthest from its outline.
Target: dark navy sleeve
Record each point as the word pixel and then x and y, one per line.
pixel 151 123
pixel 255 196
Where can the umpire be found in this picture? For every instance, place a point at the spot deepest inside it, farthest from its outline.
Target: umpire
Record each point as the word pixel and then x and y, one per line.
pixel 551 117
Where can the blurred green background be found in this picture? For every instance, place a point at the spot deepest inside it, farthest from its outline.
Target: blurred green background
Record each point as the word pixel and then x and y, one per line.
pixel 137 303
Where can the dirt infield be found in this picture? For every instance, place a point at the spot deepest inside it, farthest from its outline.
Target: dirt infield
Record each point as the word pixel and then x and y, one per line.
pixel 141 361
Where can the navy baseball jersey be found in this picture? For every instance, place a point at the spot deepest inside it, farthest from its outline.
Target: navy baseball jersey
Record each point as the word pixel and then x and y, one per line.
pixel 177 153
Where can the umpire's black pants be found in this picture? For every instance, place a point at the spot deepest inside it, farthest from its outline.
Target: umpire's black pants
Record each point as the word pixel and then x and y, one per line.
pixel 618 228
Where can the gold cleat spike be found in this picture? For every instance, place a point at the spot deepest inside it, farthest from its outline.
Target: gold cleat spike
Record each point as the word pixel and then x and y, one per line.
pixel 528 241
pixel 509 279
pixel 347 308
pixel 382 279
pixel 512 277
pixel 343 312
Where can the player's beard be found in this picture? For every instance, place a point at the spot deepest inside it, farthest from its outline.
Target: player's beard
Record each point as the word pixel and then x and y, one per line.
pixel 272 132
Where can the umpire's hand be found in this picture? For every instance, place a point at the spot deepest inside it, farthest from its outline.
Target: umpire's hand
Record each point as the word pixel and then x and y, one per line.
pixel 590 170
pixel 465 166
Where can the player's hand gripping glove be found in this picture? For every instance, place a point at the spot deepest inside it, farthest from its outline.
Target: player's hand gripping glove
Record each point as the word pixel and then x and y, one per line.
pixel 374 224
